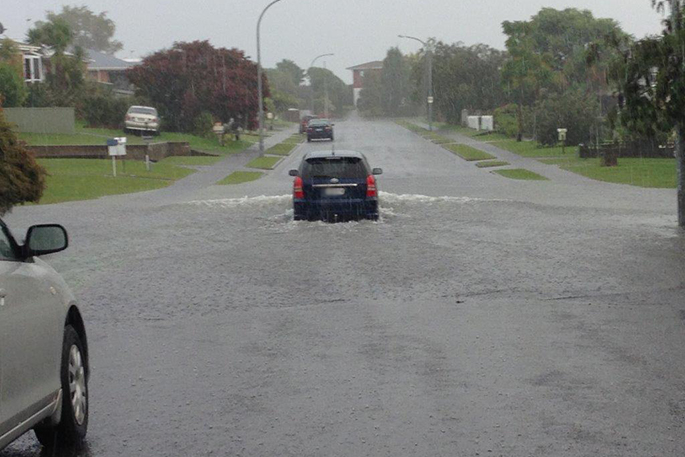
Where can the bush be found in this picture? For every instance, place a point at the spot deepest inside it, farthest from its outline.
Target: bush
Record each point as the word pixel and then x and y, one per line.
pixel 572 110
pixel 101 108
pixel 506 121
pixel 21 178
pixel 202 124
pixel 12 88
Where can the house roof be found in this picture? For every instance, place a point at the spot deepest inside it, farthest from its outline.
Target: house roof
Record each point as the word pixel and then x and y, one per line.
pixel 100 61
pixel 375 65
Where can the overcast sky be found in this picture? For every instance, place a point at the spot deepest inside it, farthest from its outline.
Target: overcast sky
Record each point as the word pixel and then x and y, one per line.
pixel 357 31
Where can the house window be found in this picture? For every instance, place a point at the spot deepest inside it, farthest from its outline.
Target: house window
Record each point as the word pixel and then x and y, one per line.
pixel 33 69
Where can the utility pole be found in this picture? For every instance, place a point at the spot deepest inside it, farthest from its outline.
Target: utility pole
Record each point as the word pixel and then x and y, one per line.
pixel 260 107
pixel 679 144
pixel 311 86
pixel 325 93
pixel 429 63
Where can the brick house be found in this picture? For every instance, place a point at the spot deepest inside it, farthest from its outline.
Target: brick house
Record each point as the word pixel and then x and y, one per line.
pixel 358 72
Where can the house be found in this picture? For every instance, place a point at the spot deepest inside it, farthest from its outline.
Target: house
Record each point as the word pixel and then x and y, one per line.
pixel 34 61
pixel 109 70
pixel 358 73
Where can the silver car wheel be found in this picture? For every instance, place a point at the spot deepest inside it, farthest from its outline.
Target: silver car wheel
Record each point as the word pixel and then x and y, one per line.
pixel 77 385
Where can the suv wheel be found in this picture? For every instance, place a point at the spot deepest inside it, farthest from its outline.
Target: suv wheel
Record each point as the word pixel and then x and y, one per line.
pixel 73 423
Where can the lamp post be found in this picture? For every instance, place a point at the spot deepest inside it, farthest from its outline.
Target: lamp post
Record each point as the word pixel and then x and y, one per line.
pixel 259 79
pixel 311 98
pixel 429 63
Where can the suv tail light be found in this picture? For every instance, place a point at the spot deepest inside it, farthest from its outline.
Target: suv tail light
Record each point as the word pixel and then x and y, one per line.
pixel 371 190
pixel 298 192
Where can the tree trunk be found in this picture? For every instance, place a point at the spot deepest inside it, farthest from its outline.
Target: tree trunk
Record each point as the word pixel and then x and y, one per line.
pixel 680 166
pixel 519 135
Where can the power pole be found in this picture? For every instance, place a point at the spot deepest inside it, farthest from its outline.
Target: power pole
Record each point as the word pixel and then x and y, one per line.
pixel 679 141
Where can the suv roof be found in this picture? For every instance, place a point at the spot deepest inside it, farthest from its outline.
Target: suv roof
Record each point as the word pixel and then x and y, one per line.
pixel 317 154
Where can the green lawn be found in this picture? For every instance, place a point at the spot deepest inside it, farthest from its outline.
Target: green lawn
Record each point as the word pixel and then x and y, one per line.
pixel 88 136
pixel 520 173
pixel 85 179
pixel 492 163
pixel 468 153
pixel 264 162
pixel 533 148
pixel 294 138
pixel 282 149
pixel 659 173
pixel 239 177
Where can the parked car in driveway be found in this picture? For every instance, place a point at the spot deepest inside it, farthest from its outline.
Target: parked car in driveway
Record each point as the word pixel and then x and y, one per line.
pixel 142 119
pixel 319 129
pixel 335 185
pixel 44 367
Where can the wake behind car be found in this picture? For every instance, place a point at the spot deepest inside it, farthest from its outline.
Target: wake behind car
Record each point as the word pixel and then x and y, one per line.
pixel 43 349
pixel 335 185
pixel 319 129
pixel 142 119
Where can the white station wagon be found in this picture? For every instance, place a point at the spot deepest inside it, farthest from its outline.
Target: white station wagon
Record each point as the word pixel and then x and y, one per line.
pixel 43 349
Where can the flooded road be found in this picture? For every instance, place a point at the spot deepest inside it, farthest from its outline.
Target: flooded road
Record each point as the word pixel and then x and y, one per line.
pixel 479 316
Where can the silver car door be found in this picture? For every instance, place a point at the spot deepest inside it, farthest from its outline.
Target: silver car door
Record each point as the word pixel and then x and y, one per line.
pixel 30 340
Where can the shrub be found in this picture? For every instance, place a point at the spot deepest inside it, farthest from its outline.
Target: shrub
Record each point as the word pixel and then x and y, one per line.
pixel 506 121
pixel 572 110
pixel 202 124
pixel 101 108
pixel 12 88
pixel 21 178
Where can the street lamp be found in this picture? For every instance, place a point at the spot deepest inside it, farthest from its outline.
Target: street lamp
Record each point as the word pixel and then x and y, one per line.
pixel 429 62
pixel 259 80
pixel 311 101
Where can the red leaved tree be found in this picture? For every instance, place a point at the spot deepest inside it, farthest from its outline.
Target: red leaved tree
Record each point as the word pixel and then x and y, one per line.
pixel 191 78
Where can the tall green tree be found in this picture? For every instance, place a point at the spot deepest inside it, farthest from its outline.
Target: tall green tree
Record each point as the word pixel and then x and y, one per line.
pixel 290 68
pixel 395 83
pixel 89 30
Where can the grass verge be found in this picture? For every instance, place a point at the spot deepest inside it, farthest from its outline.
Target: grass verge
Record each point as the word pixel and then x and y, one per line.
pixel 655 173
pixel 239 177
pixel 534 149
pixel 520 173
pixel 492 163
pixel 468 153
pixel 86 179
pixel 264 162
pixel 282 149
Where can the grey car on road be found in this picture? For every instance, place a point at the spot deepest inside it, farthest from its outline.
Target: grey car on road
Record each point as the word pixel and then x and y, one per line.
pixel 43 348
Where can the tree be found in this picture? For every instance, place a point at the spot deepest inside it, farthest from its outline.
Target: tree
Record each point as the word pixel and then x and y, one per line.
pixel 193 77
pixel 370 101
pixel 21 178
pixel 464 78
pixel 65 75
pixel 395 84
pixel 339 94
pixel 574 110
pixel 89 30
pixel 12 87
pixel 290 68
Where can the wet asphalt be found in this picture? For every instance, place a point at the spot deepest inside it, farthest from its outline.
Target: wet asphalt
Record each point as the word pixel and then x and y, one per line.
pixel 480 316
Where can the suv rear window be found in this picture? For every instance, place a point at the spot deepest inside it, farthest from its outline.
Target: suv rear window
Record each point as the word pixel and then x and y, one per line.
pixel 334 167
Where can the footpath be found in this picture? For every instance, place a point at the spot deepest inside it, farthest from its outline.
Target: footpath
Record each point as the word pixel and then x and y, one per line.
pixel 552 172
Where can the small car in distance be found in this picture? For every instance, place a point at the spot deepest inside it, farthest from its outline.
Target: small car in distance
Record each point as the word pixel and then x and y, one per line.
pixel 44 366
pixel 319 129
pixel 142 119
pixel 304 122
pixel 335 186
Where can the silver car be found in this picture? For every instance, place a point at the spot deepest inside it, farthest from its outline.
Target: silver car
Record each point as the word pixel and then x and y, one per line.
pixel 142 119
pixel 43 349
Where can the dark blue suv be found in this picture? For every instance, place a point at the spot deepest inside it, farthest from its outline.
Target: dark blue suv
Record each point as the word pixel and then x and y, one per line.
pixel 335 186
